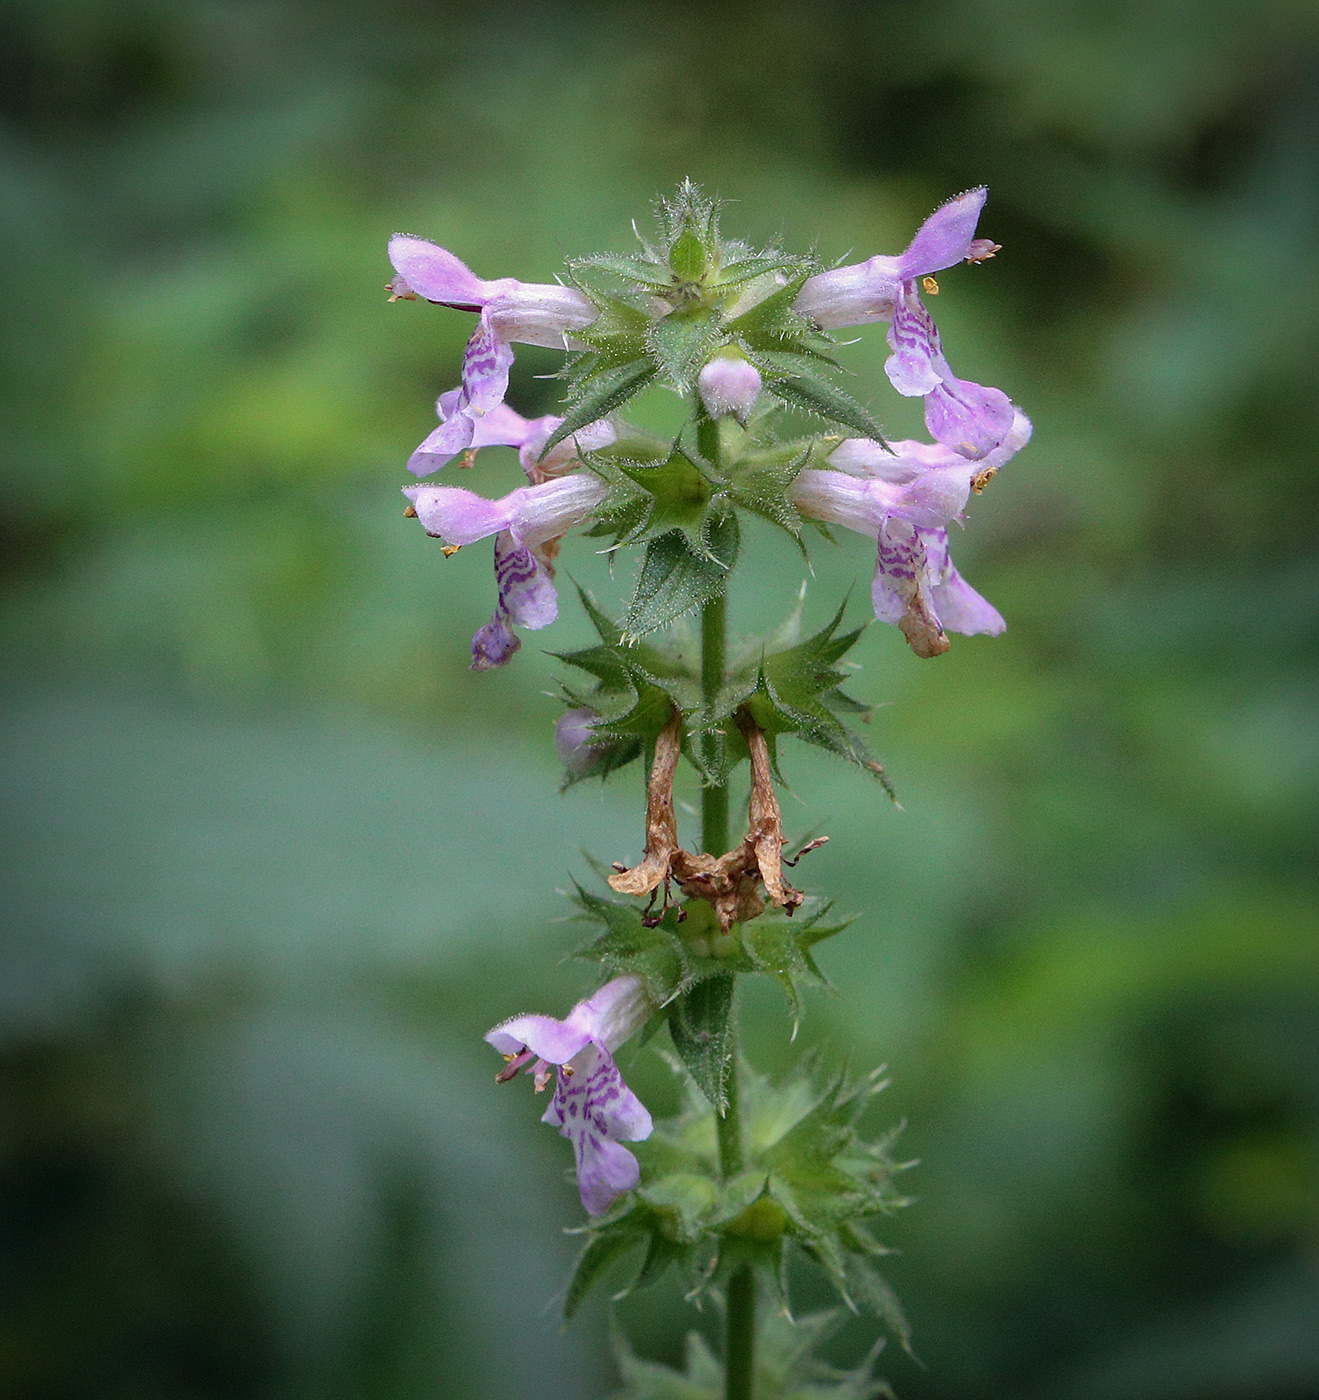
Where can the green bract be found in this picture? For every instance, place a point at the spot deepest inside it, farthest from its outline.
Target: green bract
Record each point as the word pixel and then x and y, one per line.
pixel 663 313
pixel 810 1183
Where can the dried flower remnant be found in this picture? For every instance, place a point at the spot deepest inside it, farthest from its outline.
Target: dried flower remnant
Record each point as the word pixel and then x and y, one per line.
pixel 592 1106
pixel 731 882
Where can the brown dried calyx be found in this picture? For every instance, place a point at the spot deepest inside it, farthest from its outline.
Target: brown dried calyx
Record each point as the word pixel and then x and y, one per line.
pixel 731 882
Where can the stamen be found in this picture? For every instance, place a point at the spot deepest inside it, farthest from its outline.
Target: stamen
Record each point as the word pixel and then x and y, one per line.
pixel 468 459
pixel 930 285
pixel 806 850
pixel 410 513
pixel 981 249
pixel 543 1076
pixel 982 479
pixel 513 1063
pixel 449 550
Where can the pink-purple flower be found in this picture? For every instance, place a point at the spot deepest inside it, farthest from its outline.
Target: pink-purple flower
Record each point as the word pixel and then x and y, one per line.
pixel 592 1106
pixel 503 426
pixel 526 524
pixel 970 418
pixel 904 499
pixel 508 310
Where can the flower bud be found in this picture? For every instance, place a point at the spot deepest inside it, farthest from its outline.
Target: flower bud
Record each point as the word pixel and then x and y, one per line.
pixel 572 741
pixel 729 384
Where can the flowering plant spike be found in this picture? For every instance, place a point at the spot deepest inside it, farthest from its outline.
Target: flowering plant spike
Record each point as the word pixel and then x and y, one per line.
pixel 749 1174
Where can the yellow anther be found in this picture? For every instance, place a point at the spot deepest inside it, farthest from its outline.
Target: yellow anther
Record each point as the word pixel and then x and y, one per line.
pixel 930 285
pixel 982 479
pixel 468 459
pixel 449 550
pixel 410 513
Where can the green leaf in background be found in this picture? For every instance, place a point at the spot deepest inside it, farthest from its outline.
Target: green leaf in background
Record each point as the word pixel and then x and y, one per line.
pixel 700 1023
pixel 603 1250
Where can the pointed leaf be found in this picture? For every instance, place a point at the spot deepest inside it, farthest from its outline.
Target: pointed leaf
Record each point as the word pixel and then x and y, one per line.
pixel 676 579
pixel 602 1250
pixel 600 395
pixel 701 1026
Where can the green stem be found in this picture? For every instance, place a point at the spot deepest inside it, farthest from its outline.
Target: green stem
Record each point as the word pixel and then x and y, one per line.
pixel 740 1342
pixel 714 798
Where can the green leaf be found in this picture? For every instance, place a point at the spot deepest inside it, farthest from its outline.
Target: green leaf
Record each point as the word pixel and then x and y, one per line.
pixel 701 1026
pixel 656 955
pixel 677 578
pixel 601 394
pixel 820 396
pixel 634 268
pixel 602 1250
pixel 760 485
pixel 871 1290
pixel 772 321
pixel 682 342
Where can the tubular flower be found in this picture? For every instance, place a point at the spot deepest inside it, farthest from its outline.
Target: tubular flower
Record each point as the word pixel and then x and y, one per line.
pixel 526 524
pixel 592 1107
pixel 531 312
pixel 967 417
pixel 904 500
pixel 506 427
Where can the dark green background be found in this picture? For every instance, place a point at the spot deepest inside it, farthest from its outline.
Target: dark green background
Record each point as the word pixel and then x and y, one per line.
pixel 275 858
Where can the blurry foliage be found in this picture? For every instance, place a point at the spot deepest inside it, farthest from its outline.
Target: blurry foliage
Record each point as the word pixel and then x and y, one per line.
pixel 249 1145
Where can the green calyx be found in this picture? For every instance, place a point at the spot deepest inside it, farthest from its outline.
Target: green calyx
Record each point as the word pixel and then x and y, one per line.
pixel 811 1183
pixel 688 295
pixel 786 1368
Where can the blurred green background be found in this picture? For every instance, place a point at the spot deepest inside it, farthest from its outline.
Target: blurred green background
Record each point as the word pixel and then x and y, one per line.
pixel 274 858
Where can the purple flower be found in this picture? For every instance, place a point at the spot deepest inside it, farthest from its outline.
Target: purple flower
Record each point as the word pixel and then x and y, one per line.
pixel 531 312
pixel 905 499
pixel 729 383
pixel 592 1107
pixel 526 524
pixel 503 426
pixel 967 417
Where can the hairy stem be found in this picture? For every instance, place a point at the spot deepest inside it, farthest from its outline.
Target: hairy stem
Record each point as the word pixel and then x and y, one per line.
pixel 740 1343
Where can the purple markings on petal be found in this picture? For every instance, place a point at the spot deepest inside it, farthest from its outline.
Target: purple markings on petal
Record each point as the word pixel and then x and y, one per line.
pixel 434 273
pixel 945 237
pixel 593 1108
pixel 486 363
pixel 917 587
pixel 526 594
pixel 958 606
pixel 912 367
